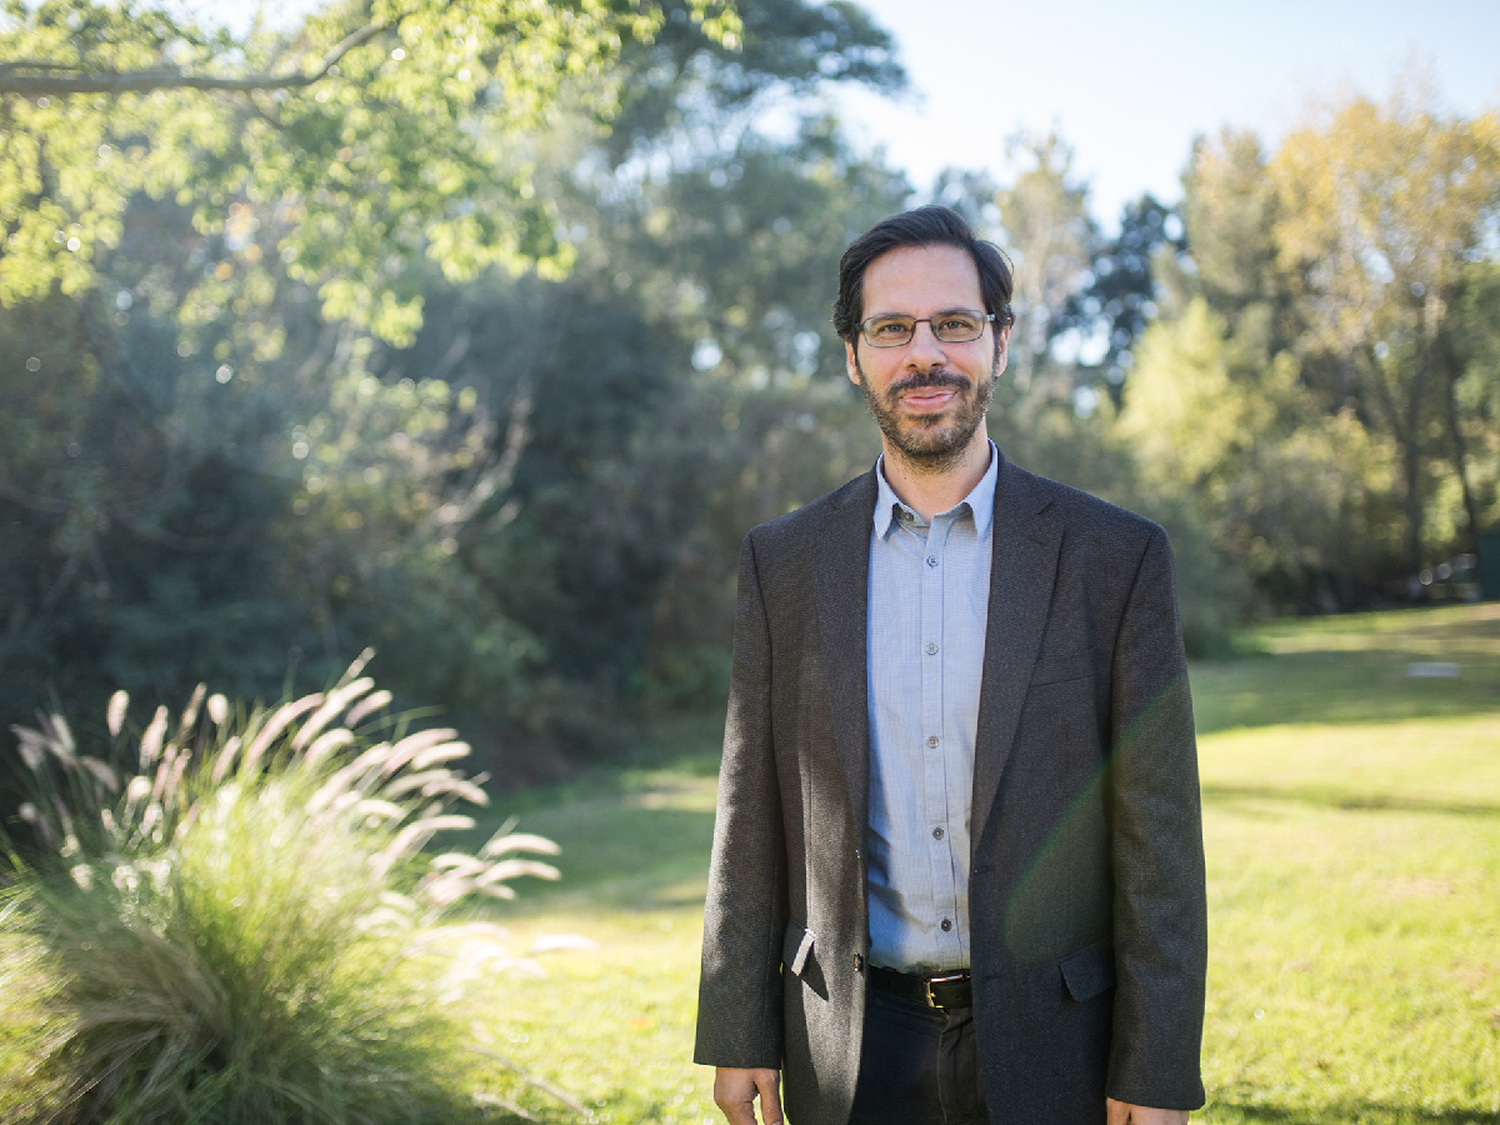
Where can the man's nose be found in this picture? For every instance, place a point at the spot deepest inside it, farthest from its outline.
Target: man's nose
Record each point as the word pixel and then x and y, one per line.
pixel 924 347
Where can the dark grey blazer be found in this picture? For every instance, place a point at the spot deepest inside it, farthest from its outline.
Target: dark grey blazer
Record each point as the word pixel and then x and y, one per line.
pixel 1087 904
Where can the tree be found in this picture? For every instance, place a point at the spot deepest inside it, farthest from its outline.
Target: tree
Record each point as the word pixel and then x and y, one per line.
pixel 1051 240
pixel 1475 322
pixel 1381 212
pixel 1229 210
pixel 372 136
pixel 1290 493
pixel 1114 307
pixel 690 85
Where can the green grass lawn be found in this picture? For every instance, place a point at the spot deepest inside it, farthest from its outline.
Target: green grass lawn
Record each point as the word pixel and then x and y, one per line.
pixel 1352 821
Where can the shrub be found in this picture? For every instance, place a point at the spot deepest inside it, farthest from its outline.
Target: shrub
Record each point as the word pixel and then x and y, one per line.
pixel 235 919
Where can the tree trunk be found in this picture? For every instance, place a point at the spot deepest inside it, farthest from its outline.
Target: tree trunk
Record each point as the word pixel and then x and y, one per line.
pixel 1458 448
pixel 1411 460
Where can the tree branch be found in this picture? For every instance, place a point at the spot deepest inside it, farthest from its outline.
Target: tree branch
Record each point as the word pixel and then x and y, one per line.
pixel 14 78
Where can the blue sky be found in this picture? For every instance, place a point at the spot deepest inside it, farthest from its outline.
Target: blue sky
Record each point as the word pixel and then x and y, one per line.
pixel 1129 85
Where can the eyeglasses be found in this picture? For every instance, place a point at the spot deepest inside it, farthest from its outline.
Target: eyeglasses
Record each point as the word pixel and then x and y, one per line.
pixel 956 326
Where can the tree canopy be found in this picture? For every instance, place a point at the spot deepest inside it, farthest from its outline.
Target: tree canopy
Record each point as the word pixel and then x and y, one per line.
pixel 373 135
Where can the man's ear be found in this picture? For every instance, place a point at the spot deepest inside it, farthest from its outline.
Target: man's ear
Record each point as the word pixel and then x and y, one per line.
pixel 851 363
pixel 1002 355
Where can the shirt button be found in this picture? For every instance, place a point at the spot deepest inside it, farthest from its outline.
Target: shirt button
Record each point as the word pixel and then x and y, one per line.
pixel 947 925
pixel 932 560
pixel 932 740
pixel 937 833
pixel 931 649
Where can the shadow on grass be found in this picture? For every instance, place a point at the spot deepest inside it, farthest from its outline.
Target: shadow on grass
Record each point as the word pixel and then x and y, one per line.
pixel 1355 668
pixel 1338 687
pixel 1345 1113
pixel 1337 799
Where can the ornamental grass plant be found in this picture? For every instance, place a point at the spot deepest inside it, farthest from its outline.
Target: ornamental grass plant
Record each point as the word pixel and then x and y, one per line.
pixel 236 918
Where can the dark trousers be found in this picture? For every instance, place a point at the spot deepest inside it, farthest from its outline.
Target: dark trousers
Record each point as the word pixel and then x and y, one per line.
pixel 918 1066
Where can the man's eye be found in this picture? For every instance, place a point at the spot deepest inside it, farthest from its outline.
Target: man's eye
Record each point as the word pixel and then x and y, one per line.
pixel 888 328
pixel 957 324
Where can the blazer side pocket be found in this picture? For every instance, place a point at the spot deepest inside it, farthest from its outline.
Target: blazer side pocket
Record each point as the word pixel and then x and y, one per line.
pixel 1057 669
pixel 1089 971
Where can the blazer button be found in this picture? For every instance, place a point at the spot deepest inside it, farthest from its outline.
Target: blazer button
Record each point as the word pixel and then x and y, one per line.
pixel 859 963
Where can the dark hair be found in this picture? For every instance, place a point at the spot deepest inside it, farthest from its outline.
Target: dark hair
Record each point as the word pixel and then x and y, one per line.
pixel 925 226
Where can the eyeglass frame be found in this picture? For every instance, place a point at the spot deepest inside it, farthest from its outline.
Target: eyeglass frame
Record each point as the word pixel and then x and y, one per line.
pixel 864 326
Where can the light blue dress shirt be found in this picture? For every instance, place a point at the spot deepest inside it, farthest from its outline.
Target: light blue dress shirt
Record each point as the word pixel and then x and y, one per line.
pixel 927 611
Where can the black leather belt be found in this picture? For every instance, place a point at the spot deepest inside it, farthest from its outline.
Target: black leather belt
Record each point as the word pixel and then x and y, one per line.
pixel 946 990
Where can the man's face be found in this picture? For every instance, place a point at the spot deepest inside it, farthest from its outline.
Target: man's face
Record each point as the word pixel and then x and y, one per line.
pixel 928 397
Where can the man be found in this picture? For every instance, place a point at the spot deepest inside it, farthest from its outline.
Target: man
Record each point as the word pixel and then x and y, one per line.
pixel 958 872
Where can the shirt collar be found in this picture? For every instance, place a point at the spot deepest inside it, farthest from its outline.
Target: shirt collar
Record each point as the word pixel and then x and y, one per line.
pixel 981 499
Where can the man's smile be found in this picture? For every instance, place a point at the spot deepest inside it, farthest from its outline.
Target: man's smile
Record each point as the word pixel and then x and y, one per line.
pixel 929 392
pixel 928 400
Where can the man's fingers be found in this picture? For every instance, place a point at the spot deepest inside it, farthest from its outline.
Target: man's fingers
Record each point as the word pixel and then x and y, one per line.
pixel 735 1090
pixel 767 1082
pixel 1122 1113
pixel 730 1099
pixel 734 1096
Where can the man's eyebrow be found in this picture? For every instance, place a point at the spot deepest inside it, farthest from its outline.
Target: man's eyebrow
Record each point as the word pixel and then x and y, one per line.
pixel 938 312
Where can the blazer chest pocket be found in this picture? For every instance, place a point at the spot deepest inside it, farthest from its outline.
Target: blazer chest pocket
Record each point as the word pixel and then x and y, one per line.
pixel 1060 669
pixel 1089 971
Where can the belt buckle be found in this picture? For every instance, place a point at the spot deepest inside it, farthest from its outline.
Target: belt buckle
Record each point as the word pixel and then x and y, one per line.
pixel 951 978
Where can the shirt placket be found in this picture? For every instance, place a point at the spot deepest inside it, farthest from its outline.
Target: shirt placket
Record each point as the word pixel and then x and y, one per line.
pixel 935 780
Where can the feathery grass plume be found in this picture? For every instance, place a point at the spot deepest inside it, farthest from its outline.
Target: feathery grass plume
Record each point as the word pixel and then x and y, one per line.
pixel 375 701
pixel 248 937
pixel 119 702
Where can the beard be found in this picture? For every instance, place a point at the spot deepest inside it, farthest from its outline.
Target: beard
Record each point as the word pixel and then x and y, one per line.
pixel 927 442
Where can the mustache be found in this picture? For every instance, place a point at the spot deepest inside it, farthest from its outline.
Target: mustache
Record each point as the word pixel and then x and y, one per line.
pixel 925 379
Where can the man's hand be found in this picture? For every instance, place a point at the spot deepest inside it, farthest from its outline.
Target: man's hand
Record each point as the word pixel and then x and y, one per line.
pixel 735 1090
pixel 1121 1113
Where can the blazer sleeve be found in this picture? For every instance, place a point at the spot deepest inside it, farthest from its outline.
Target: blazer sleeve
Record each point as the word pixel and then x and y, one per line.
pixel 740 994
pixel 1160 902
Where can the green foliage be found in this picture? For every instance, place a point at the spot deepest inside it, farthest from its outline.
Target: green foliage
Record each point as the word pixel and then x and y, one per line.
pixel 1316 389
pixel 1229 208
pixel 528 490
pixel 230 919
pixel 1290 491
pixel 370 137
pixel 684 81
pixel 1475 398
pixel 1383 210
pixel 1052 240
pixel 1120 300
pixel 529 502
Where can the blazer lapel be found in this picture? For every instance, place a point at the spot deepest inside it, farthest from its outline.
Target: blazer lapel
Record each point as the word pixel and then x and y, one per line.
pixel 841 591
pixel 1023 570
